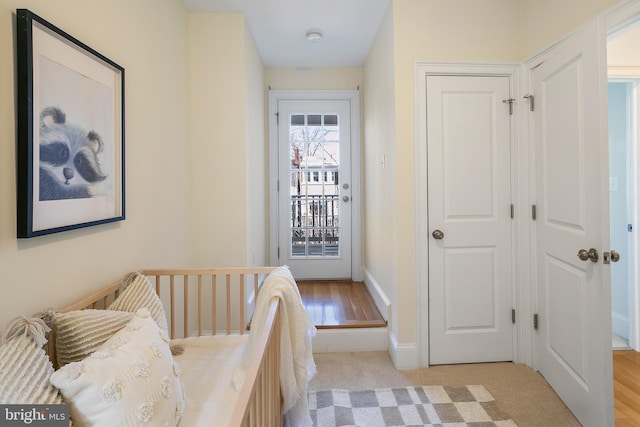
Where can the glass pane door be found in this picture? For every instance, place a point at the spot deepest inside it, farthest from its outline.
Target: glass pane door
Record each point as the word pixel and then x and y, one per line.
pixel 314 209
pixel 314 141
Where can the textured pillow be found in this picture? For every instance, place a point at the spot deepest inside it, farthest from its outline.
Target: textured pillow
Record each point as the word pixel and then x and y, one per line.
pixel 79 333
pixel 140 293
pixel 130 380
pixel 24 366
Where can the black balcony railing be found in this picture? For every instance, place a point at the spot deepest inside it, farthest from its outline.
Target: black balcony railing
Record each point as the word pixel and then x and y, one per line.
pixel 315 225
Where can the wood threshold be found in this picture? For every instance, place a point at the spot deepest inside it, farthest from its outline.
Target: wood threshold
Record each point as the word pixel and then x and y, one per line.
pixel 335 304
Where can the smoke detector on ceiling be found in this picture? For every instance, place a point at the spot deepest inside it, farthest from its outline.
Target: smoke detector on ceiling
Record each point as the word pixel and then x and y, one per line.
pixel 314 36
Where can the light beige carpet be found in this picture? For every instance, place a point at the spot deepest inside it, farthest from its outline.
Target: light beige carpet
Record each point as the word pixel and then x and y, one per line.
pixel 523 394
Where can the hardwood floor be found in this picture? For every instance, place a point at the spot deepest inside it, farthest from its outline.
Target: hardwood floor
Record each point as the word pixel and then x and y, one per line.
pixel 626 387
pixel 339 304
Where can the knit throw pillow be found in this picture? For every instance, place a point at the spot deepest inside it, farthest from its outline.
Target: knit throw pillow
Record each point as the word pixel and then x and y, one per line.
pixel 79 333
pixel 140 293
pixel 130 380
pixel 24 366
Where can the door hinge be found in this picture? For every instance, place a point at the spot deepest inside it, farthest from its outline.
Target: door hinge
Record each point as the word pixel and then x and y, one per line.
pixel 278 252
pixel 535 321
pixel 510 102
pixel 277 186
pixel 513 211
pixel 277 119
pixel 531 102
pixel 513 316
pixel 534 213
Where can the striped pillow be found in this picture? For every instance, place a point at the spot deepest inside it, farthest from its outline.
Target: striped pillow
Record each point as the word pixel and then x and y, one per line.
pixel 25 368
pixel 79 333
pixel 140 293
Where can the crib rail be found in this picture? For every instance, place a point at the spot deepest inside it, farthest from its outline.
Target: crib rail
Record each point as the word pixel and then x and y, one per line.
pixel 193 299
pixel 259 403
pixel 198 291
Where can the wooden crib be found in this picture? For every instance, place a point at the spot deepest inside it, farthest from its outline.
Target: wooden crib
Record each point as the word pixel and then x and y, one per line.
pixel 215 301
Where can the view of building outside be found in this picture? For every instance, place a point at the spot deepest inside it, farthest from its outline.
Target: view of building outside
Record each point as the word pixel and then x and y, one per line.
pixel 315 206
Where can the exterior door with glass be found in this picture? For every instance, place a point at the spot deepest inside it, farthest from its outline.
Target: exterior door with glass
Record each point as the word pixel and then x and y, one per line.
pixel 314 188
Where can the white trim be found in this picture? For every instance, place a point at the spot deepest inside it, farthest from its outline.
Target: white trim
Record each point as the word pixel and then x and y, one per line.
pixel 520 196
pixel 403 356
pixel 382 302
pixel 353 96
pixel 631 322
pixel 620 324
pixel 619 19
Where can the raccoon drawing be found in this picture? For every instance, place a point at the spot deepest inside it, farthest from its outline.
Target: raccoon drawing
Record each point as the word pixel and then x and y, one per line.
pixel 69 164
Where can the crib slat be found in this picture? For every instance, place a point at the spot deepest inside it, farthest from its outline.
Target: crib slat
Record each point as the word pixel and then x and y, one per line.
pixel 214 294
pixel 199 304
pixel 242 325
pixel 173 305
pixel 228 304
pixel 185 316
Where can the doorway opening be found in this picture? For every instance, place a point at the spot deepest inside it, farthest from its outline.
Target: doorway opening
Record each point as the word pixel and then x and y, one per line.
pixel 314 164
pixel 624 185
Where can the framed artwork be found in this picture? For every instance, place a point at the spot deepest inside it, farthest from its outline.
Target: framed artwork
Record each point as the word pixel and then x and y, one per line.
pixel 70 131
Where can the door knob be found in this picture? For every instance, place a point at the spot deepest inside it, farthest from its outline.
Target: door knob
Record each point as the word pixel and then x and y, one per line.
pixel 591 254
pixel 615 256
pixel 437 234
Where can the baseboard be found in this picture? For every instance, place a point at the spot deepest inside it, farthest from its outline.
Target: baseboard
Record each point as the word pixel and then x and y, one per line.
pixel 403 356
pixel 383 304
pixel 620 325
pixel 350 339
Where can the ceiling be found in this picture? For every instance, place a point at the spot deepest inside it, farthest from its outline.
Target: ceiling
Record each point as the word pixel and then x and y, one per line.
pixel 279 28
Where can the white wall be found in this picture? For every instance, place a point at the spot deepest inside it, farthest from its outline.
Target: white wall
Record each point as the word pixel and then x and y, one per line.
pixel 147 38
pixel 618 137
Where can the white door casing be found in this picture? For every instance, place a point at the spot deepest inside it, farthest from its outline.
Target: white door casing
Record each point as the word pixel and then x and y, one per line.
pixel 322 249
pixel 571 197
pixel 469 201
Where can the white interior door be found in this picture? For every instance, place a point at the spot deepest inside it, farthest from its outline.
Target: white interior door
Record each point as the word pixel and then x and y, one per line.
pixel 315 188
pixel 469 184
pixel 574 299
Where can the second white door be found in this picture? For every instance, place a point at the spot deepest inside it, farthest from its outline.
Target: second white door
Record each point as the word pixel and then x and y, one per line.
pixel 469 206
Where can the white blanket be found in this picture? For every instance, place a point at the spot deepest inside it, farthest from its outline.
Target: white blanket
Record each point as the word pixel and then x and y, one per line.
pixel 297 366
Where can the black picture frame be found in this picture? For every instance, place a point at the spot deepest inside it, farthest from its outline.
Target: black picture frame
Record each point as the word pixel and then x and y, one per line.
pixel 70 131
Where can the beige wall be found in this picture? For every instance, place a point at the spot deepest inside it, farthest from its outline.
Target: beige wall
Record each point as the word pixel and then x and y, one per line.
pixel 547 21
pixel 431 30
pixel 434 31
pixel 147 38
pixel 226 98
pixel 257 158
pixel 379 183
pixel 348 78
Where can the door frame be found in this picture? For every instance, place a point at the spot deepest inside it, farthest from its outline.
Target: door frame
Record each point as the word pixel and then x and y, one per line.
pixel 520 196
pixel 631 75
pixel 618 19
pixel 353 97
